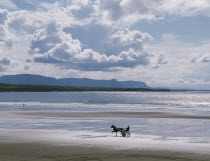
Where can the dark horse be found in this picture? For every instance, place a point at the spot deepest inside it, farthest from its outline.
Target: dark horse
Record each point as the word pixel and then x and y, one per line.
pixel 124 132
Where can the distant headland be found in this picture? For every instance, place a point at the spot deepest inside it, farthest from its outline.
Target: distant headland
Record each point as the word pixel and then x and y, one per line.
pixel 30 82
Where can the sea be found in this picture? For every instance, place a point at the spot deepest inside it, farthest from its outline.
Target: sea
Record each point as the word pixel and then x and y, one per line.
pixel 162 133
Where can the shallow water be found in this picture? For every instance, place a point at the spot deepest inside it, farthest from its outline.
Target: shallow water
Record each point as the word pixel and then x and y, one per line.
pixel 105 101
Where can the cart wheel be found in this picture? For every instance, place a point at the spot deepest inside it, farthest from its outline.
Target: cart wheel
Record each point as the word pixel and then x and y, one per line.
pixel 123 133
pixel 128 134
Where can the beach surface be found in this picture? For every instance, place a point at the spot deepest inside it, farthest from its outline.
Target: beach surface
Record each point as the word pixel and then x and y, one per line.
pixel 44 152
pixel 41 144
pixel 77 126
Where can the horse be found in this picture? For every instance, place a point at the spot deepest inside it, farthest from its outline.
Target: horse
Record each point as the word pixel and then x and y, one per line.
pixel 124 132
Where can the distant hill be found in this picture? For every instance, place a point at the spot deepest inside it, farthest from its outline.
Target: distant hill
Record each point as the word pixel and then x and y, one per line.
pixel 46 88
pixel 30 79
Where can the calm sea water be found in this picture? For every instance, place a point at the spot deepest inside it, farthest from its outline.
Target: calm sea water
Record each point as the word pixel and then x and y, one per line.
pixel 105 101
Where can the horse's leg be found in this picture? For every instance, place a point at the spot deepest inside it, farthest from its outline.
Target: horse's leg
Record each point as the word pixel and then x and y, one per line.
pixel 116 133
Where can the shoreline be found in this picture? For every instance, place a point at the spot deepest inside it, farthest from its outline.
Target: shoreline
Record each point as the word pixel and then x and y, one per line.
pixel 47 152
pixel 81 114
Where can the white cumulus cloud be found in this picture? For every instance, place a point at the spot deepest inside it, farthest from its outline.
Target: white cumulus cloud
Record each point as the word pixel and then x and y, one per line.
pixel 52 45
pixel 7 4
pixel 202 58
pixel 131 39
pixel 127 12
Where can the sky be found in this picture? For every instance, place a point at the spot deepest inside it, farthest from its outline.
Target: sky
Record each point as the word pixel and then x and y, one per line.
pixel 165 43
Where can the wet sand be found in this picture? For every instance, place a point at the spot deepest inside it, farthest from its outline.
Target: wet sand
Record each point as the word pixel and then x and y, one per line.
pixel 43 152
pixel 113 115
pixel 47 152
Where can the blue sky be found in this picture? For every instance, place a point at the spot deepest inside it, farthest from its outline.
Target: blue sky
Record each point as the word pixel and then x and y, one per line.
pixel 186 28
pixel 165 43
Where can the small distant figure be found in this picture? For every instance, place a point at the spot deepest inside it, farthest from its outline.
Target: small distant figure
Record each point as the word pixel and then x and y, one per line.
pixel 124 132
pixel 24 106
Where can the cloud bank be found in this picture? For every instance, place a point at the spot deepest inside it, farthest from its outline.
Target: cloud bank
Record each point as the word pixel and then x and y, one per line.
pixel 100 38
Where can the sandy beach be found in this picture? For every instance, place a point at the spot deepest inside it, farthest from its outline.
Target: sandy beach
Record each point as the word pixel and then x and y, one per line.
pixel 46 129
pixel 40 150
pixel 43 152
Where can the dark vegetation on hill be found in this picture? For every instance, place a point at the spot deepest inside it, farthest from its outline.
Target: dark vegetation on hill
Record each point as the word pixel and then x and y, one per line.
pixel 45 88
